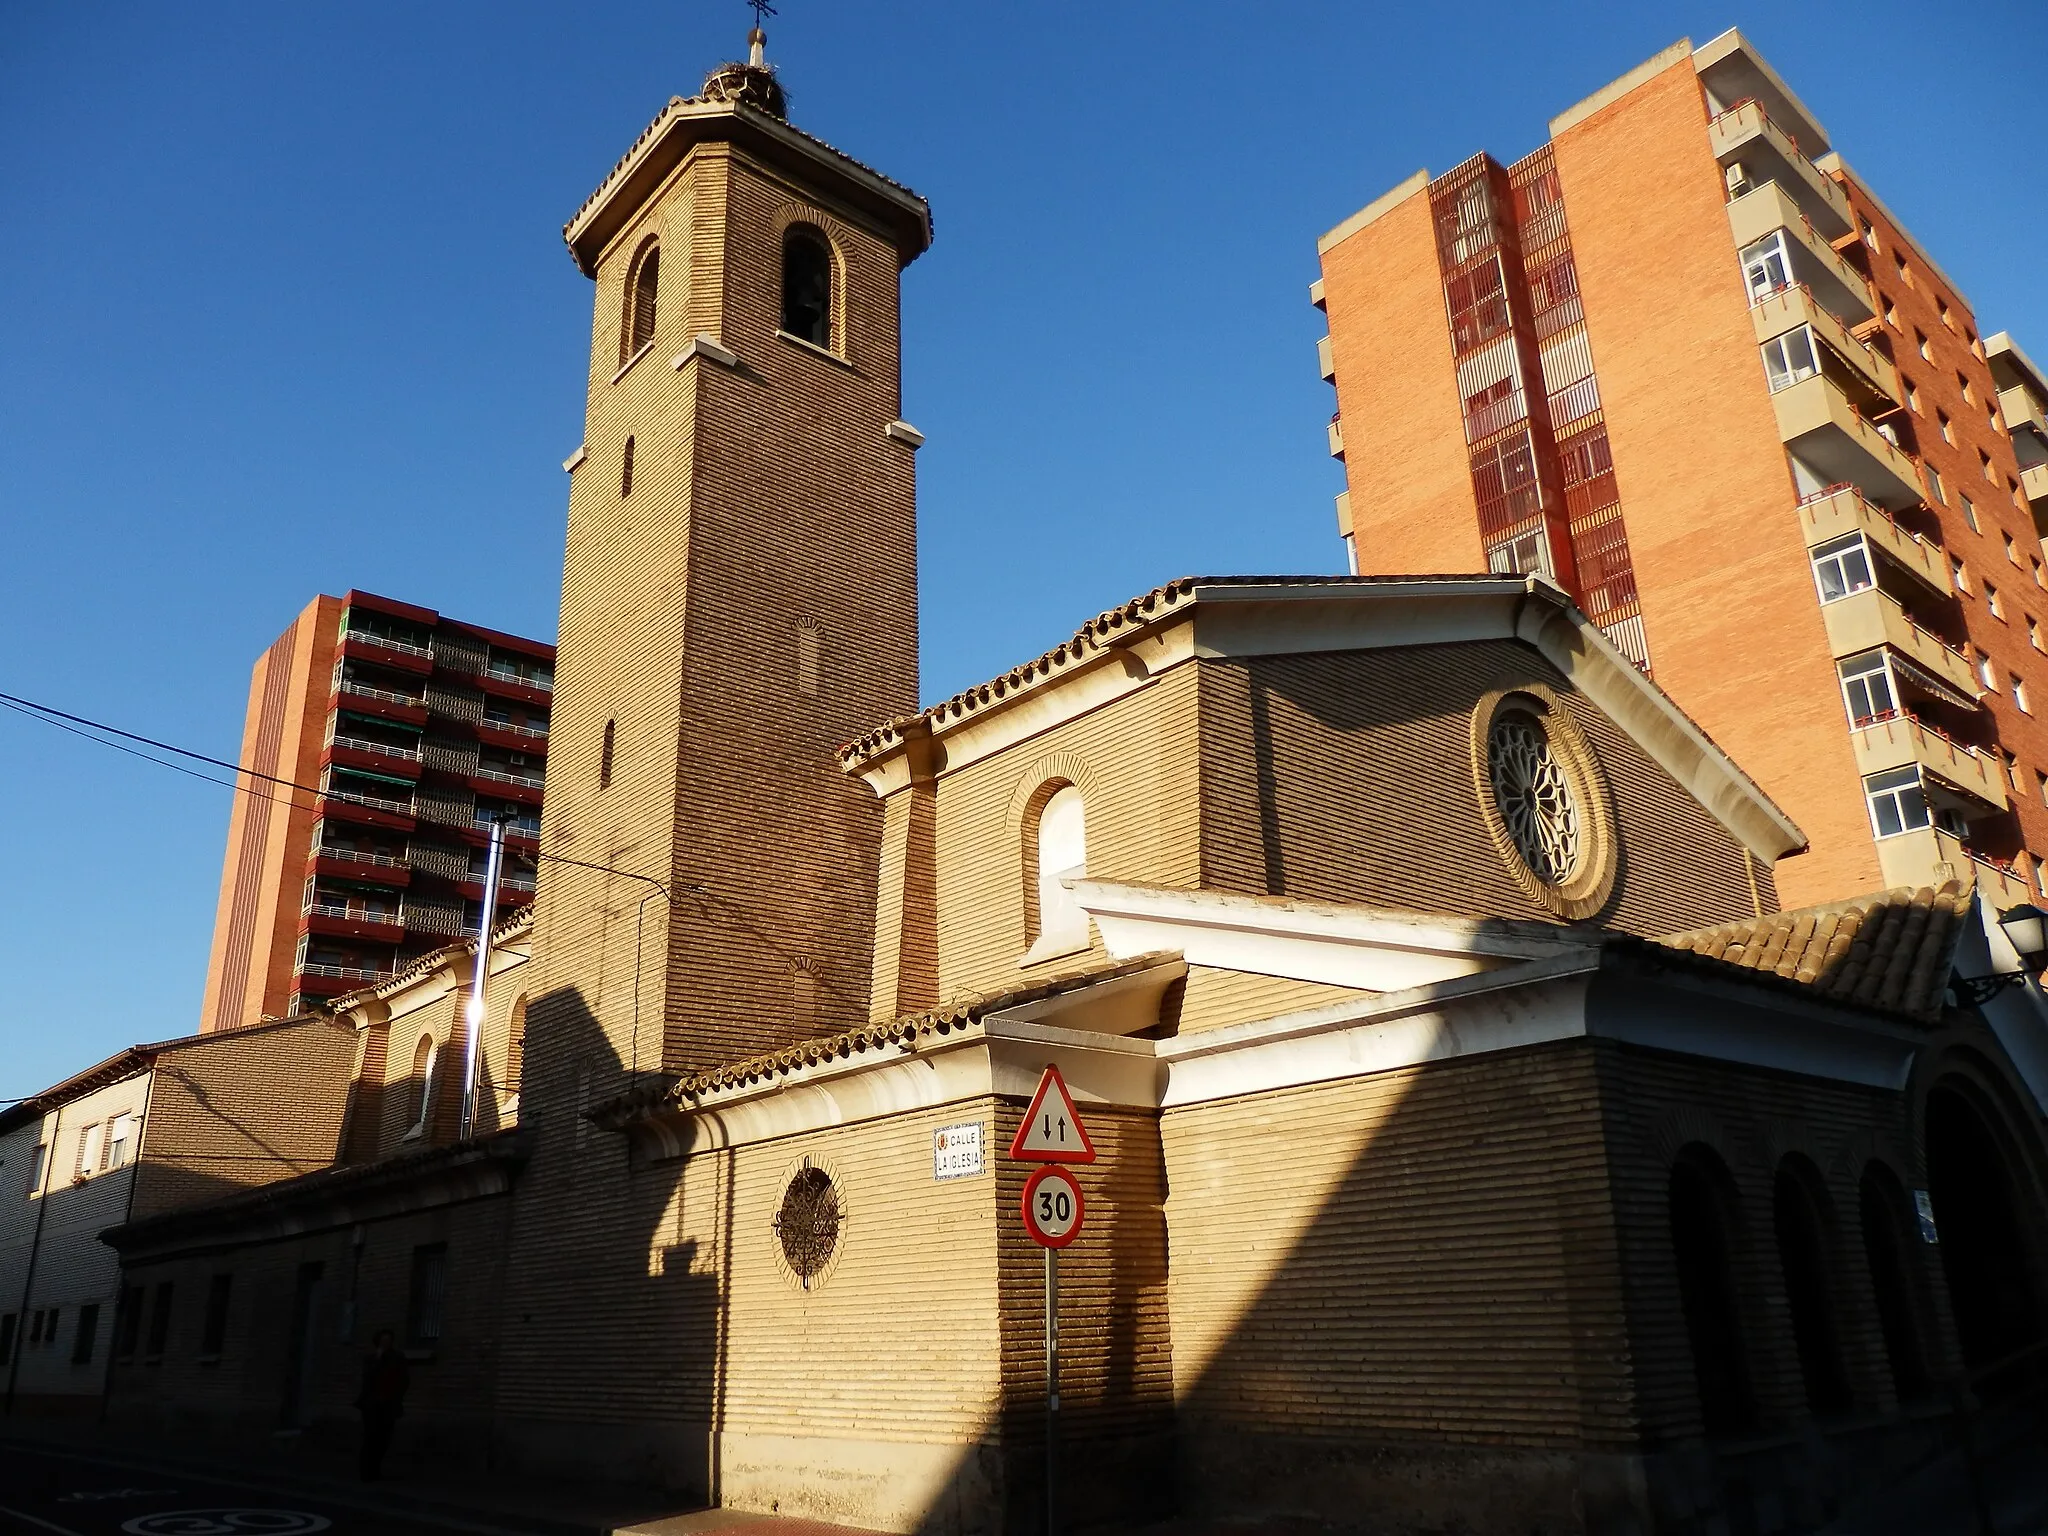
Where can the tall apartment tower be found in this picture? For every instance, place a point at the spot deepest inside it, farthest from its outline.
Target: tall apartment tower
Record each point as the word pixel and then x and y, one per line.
pixel 739 597
pixel 1681 359
pixel 420 731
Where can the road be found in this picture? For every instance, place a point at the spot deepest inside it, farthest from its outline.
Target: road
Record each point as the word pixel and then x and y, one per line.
pixel 71 1493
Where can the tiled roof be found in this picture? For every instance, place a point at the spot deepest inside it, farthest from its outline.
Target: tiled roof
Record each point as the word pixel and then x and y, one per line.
pixel 1104 629
pixel 1893 950
pixel 957 1014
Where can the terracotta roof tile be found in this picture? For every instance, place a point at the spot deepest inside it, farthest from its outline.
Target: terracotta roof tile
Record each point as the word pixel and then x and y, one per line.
pixel 1892 950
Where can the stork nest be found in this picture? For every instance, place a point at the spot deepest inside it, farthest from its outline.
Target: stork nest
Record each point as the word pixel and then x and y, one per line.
pixel 753 84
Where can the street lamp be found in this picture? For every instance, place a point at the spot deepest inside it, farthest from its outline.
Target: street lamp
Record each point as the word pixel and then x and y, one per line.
pixel 2026 929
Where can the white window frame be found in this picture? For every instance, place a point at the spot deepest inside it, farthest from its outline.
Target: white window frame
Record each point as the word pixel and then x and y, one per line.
pixel 1767 266
pixel 1842 554
pixel 1871 664
pixel 1902 790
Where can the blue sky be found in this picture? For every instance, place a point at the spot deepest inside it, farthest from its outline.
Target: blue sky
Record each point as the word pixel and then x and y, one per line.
pixel 284 309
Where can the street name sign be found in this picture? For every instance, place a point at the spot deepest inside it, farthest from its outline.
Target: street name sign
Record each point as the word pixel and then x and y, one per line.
pixel 1052 1131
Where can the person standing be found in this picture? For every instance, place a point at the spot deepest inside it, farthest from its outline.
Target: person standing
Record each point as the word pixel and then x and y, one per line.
pixel 381 1401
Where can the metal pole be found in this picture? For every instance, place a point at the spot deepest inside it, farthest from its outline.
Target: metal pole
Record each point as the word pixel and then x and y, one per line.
pixel 473 1051
pixel 1052 1390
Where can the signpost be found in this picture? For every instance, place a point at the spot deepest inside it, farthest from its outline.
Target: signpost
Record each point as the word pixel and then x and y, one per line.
pixel 1053 1210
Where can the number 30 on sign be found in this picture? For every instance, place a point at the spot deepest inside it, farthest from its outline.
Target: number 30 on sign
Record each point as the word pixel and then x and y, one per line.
pixel 1053 1207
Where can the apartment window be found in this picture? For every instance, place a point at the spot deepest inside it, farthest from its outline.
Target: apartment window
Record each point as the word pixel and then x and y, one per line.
pixel 1869 235
pixel 2034 633
pixel 2040 574
pixel 35 1167
pixel 1926 347
pixel 1842 566
pixel 1960 572
pixel 86 1333
pixel 1948 430
pixel 1976 346
pixel 2041 782
pixel 1867 688
pixel 1991 601
pixel 1934 485
pixel 1767 266
pixel 1790 358
pixel 1517 556
pixel 428 1296
pixel 1912 397
pixel 2019 695
pixel 88 1152
pixel 1987 674
pixel 1058 848
pixel 160 1320
pixel 121 1141
pixel 1891 315
pixel 1897 802
pixel 1905 272
pixel 1969 392
pixel 214 1335
pixel 1984 459
pixel 2012 550
pixel 1946 318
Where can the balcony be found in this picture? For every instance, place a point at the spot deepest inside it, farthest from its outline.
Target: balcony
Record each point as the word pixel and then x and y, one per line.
pixel 402 654
pixel 1326 362
pixel 1930 856
pixel 1746 135
pixel 1817 422
pixel 383 750
pixel 380 868
pixel 369 802
pixel 357 973
pixel 2034 484
pixel 1841 509
pixel 341 920
pixel 1865 620
pixel 532 781
pixel 1336 437
pixel 1786 309
pixel 1898 741
pixel 1835 283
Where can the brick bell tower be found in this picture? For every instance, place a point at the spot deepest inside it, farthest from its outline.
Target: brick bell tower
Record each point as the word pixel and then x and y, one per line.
pixel 739 596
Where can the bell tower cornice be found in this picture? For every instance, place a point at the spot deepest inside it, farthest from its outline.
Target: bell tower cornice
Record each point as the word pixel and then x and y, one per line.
pixel 892 209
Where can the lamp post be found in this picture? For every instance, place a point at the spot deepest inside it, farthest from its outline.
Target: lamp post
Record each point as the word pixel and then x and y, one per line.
pixel 2026 929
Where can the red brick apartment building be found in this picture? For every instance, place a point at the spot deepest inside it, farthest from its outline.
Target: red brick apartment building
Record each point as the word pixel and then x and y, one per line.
pixel 1683 360
pixel 420 731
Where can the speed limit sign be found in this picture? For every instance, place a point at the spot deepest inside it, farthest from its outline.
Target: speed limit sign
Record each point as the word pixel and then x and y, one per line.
pixel 1053 1207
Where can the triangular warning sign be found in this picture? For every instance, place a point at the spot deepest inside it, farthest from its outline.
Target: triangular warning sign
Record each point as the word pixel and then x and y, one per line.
pixel 1052 1132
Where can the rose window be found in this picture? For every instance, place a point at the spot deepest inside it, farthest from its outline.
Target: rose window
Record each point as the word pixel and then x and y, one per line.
pixel 808 1223
pixel 1535 797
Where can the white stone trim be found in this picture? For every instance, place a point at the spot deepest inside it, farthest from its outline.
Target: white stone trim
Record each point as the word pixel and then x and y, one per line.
pixel 904 432
pixel 701 345
pixel 1361 947
pixel 569 464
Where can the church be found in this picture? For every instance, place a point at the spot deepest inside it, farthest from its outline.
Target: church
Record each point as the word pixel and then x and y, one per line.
pixel 1479 1145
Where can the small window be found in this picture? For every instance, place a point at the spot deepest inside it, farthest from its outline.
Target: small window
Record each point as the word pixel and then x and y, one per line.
pixel 1867 688
pixel 2019 695
pixel 1897 802
pixel 807 285
pixel 1905 272
pixel 86 1333
pixel 1869 235
pixel 1970 515
pixel 626 470
pixel 423 1056
pixel 1790 358
pixel 604 756
pixel 1946 318
pixel 1925 347
pixel 214 1335
pixel 2012 550
pixel 1520 555
pixel 1984 459
pixel 1934 485
pixel 121 1141
pixel 1960 572
pixel 160 1320
pixel 636 330
pixel 1891 314
pixel 1912 397
pixel 428 1296
pixel 36 1160
pixel 128 1322
pixel 88 1152
pixel 1060 842
pixel 1842 566
pixel 1948 430
pixel 2034 633
pixel 1987 674
pixel 1991 601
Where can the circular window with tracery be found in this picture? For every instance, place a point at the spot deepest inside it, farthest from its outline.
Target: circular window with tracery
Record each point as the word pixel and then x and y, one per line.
pixel 1534 796
pixel 807 1223
pixel 1543 798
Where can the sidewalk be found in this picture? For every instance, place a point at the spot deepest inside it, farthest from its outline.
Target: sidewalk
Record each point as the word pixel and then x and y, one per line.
pixel 487 1504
